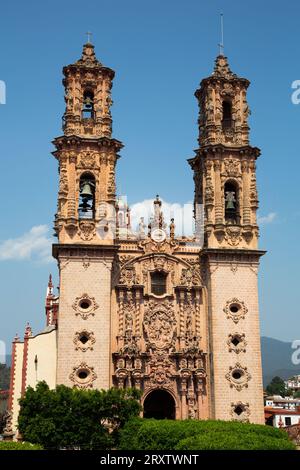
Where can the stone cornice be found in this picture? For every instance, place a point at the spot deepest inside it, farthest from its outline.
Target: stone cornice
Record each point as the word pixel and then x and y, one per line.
pixel 80 250
pixel 214 152
pixel 64 142
pixel 227 254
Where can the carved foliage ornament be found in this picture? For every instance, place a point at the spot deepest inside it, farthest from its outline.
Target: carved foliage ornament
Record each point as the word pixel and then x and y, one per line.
pixel 238 376
pixel 160 371
pixel 83 376
pixel 128 276
pixel 159 324
pixel 190 276
pixel 85 306
pixel 235 309
pixel 84 340
pixel 233 235
pixel 232 167
pixel 88 159
pixel 87 230
pixel 237 343
pixel 240 412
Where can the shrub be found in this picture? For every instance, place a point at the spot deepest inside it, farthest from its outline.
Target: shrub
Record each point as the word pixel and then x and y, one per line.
pixel 151 434
pixel 71 418
pixel 11 445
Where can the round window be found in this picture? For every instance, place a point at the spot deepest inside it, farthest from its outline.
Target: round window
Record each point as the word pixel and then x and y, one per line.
pixel 83 374
pixel 237 374
pixel 85 304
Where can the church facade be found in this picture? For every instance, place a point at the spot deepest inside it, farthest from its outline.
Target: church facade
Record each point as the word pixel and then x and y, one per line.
pixel 176 318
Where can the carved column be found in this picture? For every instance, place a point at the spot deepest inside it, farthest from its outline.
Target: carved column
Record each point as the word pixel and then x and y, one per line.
pixel 246 197
pixel 218 195
pixel 183 396
pixel 72 187
pixel 182 323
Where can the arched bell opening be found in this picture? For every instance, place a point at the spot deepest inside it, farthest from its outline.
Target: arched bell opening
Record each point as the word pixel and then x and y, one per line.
pixel 87 186
pixel 227 121
pixel 159 404
pixel 231 198
pixel 88 105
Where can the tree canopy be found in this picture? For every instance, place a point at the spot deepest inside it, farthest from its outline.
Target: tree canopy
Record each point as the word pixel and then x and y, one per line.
pixel 71 418
pixel 276 386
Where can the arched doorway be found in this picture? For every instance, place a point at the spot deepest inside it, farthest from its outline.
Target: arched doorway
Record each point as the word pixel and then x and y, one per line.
pixel 159 404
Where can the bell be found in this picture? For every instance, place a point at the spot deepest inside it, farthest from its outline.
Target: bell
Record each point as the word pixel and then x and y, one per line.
pixel 88 102
pixel 86 191
pixel 85 206
pixel 230 200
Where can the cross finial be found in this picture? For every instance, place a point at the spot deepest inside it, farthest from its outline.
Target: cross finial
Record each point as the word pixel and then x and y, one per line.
pixel 88 37
pixel 221 44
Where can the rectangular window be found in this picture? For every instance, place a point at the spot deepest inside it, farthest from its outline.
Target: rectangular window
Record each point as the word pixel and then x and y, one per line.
pixel 288 421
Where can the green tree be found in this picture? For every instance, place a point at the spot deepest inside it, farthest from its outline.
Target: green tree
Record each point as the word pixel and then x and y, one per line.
pixel 276 387
pixel 297 394
pixel 71 418
pixel 4 377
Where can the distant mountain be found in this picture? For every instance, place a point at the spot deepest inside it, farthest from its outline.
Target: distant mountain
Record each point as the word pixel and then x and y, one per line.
pixel 276 359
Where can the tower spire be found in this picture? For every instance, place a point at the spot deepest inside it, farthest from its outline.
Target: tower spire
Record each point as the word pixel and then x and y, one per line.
pixel 221 44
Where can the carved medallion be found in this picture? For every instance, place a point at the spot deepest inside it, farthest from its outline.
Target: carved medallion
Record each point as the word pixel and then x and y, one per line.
pixel 159 324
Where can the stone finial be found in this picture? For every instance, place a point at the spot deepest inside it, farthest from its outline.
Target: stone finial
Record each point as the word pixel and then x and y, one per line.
pixel 222 68
pixel 88 56
pixel 28 331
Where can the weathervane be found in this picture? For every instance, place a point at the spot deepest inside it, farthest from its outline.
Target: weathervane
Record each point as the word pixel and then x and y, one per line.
pixel 221 44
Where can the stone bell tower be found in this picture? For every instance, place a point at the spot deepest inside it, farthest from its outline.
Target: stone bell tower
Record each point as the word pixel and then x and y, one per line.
pixel 225 184
pixel 84 223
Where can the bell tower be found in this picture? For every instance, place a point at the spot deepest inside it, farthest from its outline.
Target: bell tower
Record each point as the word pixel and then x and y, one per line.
pixel 84 223
pixel 225 184
pixel 225 163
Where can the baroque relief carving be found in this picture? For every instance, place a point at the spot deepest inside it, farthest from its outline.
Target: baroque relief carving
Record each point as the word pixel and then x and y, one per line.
pixel 83 376
pixel 233 235
pixel 84 340
pixel 237 343
pixel 232 167
pixel 85 306
pixel 159 325
pixel 87 230
pixel 240 412
pixel 88 160
pixel 235 309
pixel 238 376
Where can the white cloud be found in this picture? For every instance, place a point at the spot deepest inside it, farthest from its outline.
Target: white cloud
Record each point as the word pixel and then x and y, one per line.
pixel 267 219
pixel 35 245
pixel 183 215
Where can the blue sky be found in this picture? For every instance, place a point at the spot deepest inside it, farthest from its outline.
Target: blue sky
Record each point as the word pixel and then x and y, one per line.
pixel 160 51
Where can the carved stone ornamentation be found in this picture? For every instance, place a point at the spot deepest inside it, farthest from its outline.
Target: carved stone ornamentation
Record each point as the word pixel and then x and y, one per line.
pixel 88 160
pixel 87 230
pixel 159 325
pixel 85 306
pixel 235 310
pixel 233 235
pixel 84 340
pixel 240 412
pixel 238 376
pixel 128 276
pixel 160 371
pixel 232 167
pixel 83 376
pixel 236 342
pixel 190 276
